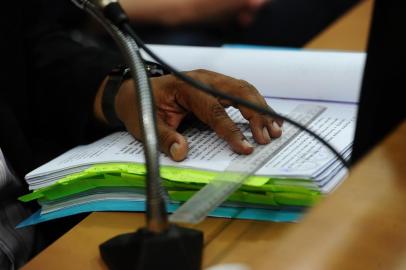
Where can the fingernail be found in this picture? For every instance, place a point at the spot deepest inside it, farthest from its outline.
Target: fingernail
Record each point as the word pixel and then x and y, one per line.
pixel 266 135
pixel 276 126
pixel 247 144
pixel 174 149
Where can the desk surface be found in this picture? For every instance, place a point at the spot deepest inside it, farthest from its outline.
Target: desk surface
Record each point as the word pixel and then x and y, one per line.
pixel 350 32
pixel 336 234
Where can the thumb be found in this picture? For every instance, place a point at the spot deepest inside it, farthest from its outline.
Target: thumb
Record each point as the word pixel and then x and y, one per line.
pixel 171 142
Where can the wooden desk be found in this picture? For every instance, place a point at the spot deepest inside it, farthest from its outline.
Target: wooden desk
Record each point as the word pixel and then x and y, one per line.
pixel 335 234
pixel 360 226
pixel 350 32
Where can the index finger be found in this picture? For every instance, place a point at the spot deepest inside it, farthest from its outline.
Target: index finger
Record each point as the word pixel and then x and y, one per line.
pixel 209 110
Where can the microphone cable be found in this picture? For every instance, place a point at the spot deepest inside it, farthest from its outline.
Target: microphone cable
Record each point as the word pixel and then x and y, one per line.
pixel 114 12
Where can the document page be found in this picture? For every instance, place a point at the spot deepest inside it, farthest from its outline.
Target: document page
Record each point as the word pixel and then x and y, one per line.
pixel 302 157
pixel 305 155
pixel 318 75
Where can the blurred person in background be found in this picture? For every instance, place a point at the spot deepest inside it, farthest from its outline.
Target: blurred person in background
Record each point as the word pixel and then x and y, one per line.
pixel 288 23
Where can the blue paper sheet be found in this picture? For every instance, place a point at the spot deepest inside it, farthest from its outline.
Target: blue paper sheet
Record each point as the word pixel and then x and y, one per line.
pixel 121 205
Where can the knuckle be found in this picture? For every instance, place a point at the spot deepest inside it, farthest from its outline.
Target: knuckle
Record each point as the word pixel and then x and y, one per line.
pixel 201 71
pixel 232 132
pixel 243 84
pixel 218 113
pixel 222 124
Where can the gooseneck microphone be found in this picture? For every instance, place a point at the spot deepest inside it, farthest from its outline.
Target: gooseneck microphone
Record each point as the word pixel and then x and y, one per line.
pixel 159 245
pixel 113 11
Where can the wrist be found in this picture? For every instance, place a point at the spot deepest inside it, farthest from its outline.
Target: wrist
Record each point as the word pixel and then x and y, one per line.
pixel 109 94
pixel 124 101
pixel 97 105
pixel 117 96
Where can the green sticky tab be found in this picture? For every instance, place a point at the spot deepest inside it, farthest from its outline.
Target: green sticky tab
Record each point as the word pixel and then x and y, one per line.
pixel 42 192
pixel 296 199
pixel 31 196
pixel 267 198
pixel 287 188
pixel 107 176
pixel 181 182
pixel 188 175
pixel 252 198
pixel 137 168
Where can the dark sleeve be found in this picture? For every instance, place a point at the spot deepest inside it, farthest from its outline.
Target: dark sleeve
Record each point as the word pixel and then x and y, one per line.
pixel 65 76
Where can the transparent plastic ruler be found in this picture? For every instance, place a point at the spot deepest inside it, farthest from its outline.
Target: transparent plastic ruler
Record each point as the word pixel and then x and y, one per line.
pixel 223 185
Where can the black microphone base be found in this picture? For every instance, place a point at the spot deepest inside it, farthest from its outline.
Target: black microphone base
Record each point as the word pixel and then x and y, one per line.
pixel 176 248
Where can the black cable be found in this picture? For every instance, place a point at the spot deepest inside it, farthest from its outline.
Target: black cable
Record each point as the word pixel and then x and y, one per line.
pixel 215 92
pixel 114 12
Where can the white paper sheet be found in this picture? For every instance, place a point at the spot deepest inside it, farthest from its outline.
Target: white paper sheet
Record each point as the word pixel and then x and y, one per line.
pixel 296 74
pixel 302 157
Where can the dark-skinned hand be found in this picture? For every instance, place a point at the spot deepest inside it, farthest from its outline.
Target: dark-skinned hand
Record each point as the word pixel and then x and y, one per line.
pixel 174 100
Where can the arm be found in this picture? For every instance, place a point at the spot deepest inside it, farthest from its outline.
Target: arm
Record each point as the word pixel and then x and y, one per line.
pixel 64 78
pixel 70 82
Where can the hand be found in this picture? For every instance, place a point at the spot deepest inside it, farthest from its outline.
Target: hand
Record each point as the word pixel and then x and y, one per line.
pixel 175 99
pixel 175 12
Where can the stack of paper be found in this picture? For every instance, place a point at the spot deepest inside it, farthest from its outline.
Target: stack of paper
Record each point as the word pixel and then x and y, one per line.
pixel 109 174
